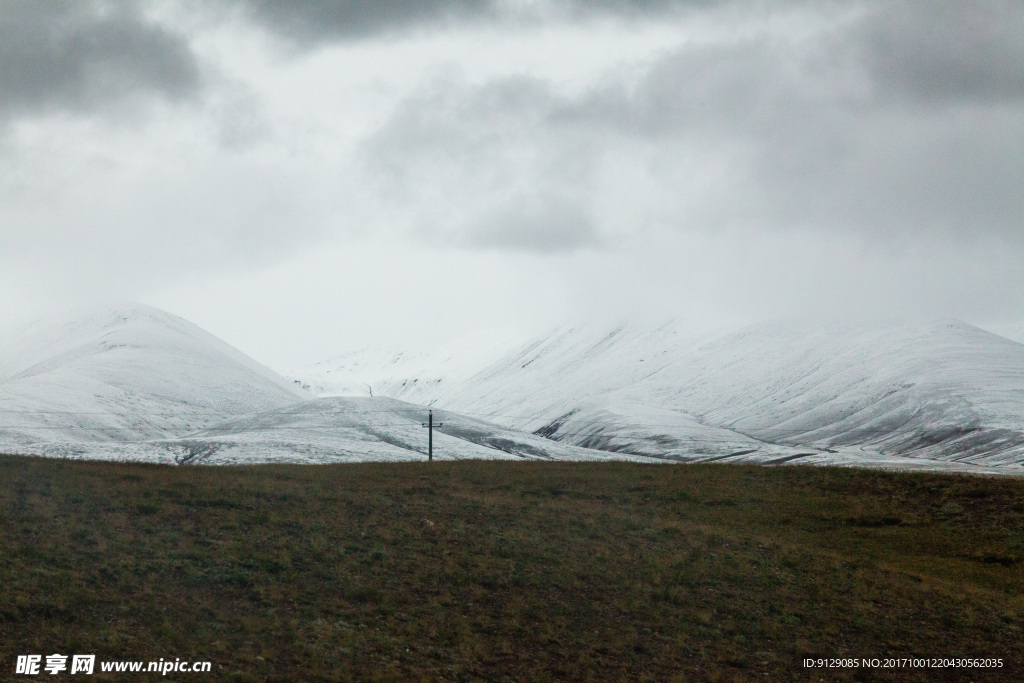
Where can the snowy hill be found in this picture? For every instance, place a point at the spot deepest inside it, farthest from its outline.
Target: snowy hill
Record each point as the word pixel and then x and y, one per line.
pixel 137 383
pixel 945 390
pixel 127 373
pixel 354 429
pixel 940 392
pixel 399 373
pixel 1011 332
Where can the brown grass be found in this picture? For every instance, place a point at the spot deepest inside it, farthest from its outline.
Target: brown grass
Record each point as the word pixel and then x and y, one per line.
pixel 510 571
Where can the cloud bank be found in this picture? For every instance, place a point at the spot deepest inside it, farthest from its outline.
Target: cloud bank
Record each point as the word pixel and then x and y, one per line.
pixel 685 158
pixel 84 56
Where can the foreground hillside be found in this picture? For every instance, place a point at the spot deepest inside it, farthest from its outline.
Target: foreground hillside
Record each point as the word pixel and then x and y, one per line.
pixel 511 570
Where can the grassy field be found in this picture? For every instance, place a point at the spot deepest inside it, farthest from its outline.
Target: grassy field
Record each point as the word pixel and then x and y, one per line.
pixel 509 571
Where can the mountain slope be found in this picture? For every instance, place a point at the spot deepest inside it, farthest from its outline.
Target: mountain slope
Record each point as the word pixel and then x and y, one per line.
pixel 354 429
pixel 942 391
pixel 132 372
pixel 1011 332
pixel 405 374
pixel 137 383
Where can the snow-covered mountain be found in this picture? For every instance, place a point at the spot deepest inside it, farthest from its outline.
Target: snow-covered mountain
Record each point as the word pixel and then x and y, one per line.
pixel 126 373
pixel 352 429
pixel 397 373
pixel 1011 332
pixel 137 383
pixel 942 392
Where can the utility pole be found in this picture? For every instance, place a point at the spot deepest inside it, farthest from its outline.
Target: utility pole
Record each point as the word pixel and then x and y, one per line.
pixel 430 433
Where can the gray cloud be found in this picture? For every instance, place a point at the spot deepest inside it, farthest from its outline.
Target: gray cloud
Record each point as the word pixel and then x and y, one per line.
pixel 872 149
pixel 315 21
pixel 67 55
pixel 477 166
pixel 945 52
pixel 538 223
pixel 896 53
pixel 655 8
pixel 309 23
pixel 851 130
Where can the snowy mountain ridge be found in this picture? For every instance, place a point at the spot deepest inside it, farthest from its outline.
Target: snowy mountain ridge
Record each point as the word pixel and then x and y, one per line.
pixel 400 373
pixel 130 372
pixel 944 391
pixel 135 382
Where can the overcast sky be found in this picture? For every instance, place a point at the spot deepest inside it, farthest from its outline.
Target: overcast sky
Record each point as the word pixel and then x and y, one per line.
pixel 302 177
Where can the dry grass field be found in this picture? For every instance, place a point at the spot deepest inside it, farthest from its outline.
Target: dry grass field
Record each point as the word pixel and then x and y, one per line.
pixel 510 571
